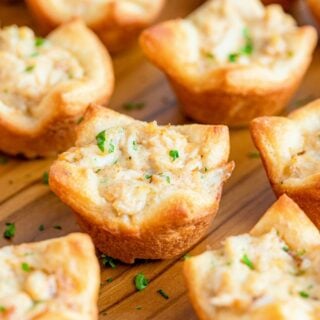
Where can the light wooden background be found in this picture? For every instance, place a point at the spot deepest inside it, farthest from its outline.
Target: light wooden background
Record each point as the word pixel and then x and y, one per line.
pixel 25 200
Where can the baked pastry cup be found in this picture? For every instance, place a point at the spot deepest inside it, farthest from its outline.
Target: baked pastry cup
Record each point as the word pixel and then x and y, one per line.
pixel 272 273
pixel 228 65
pixel 315 8
pixel 52 279
pixel 116 22
pixel 289 148
pixel 47 84
pixel 142 190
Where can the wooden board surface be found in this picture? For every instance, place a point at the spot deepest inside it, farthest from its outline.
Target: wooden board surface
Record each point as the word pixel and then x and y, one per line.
pixel 25 200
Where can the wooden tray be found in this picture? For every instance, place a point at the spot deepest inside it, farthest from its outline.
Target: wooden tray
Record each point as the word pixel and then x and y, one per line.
pixel 25 200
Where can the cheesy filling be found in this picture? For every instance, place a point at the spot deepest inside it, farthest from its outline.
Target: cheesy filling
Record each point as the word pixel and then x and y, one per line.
pixel 30 287
pixel 142 164
pixel 233 32
pixel 30 67
pixel 252 273
pixel 306 162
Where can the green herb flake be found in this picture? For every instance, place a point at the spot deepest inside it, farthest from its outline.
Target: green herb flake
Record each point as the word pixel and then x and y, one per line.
pixel 186 257
pixel 140 281
pixel 41 227
pixel 208 55
pixel 285 248
pixel 29 68
pixel 10 230
pixel 45 178
pixel 233 57
pixel 304 294
pixel 108 261
pixel 148 176
pixel 57 227
pixel 302 252
pixel 134 145
pixel 168 179
pixel 248 47
pixel 245 260
pixel 3 159
pixel 39 41
pixel 101 139
pixel 174 154
pixel 25 267
pixel 129 106
pixel 138 307
pixel 163 294
pixel 109 280
pixel 2 309
pixel 80 120
pixel 254 155
pixel 111 147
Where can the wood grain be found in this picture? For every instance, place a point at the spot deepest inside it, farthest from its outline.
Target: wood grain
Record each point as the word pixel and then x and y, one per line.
pixel 27 202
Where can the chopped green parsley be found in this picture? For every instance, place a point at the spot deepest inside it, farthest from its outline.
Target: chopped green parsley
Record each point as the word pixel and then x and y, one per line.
pixel 29 68
pixel 101 139
pixel 10 230
pixel 140 281
pixel 304 294
pixel 45 178
pixel 129 106
pixel 245 260
pixel 174 154
pixel 25 267
pixel 163 294
pixel 41 227
pixel 108 261
pixel 39 41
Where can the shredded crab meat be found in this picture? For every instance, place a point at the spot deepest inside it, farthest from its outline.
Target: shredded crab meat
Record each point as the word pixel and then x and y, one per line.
pixel 227 32
pixel 30 68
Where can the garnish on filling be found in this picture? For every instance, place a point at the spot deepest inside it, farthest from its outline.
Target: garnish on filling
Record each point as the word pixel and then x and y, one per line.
pixel 141 164
pixel 305 162
pixel 229 32
pixel 249 273
pixel 29 67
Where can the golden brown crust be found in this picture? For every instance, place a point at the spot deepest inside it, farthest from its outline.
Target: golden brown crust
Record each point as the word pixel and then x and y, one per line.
pixel 72 262
pixel 171 228
pixel 294 228
pixel 277 139
pixel 62 107
pixel 115 26
pixel 230 94
pixel 315 8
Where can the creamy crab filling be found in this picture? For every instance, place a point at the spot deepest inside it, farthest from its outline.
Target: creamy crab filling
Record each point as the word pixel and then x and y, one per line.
pixel 26 287
pixel 251 273
pixel 139 165
pixel 228 33
pixel 30 67
pixel 306 161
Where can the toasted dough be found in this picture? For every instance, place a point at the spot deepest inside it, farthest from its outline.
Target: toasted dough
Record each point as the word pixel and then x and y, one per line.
pixel 315 8
pixel 228 63
pixel 152 192
pixel 116 22
pixel 278 278
pixel 52 279
pixel 42 104
pixel 290 149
